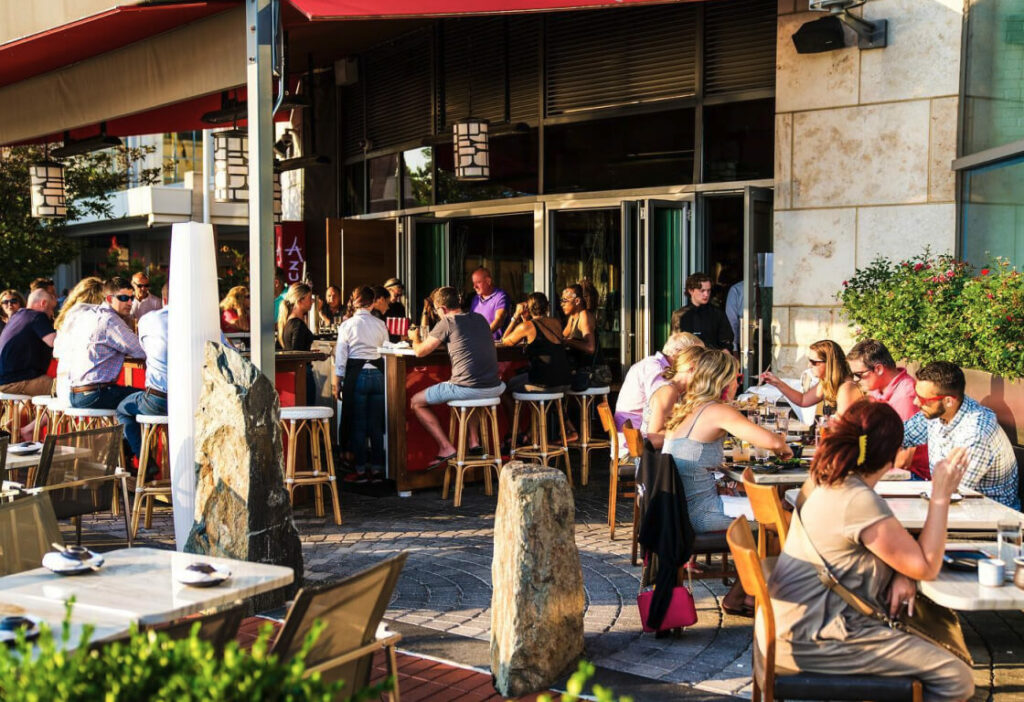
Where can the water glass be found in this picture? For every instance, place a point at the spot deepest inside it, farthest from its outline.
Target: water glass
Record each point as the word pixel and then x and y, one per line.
pixel 761 454
pixel 782 421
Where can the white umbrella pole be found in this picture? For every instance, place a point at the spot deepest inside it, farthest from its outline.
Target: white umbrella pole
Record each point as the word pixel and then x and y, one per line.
pixel 192 321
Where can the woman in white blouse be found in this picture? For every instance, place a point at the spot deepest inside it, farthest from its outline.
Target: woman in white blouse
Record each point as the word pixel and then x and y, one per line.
pixel 359 383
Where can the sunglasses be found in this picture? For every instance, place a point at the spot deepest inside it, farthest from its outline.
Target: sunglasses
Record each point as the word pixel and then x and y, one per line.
pixel 926 400
pixel 12 301
pixel 816 362
pixel 122 298
pixel 140 285
pixel 567 299
pixel 859 375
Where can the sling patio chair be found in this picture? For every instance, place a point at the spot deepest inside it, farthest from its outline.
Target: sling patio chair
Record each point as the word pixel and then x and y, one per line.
pixel 28 527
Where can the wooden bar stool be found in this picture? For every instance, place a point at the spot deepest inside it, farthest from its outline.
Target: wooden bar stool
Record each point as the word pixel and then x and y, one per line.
pixel 48 407
pixel 586 442
pixel 316 421
pixel 79 419
pixel 154 428
pixel 11 407
pixel 540 448
pixel 485 412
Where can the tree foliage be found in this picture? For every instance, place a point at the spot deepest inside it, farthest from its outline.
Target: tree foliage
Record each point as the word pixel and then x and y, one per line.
pixel 35 247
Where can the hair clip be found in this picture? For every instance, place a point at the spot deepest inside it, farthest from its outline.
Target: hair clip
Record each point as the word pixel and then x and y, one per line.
pixel 863 455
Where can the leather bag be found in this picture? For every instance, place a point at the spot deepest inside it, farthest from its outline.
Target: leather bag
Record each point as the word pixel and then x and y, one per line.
pixel 682 611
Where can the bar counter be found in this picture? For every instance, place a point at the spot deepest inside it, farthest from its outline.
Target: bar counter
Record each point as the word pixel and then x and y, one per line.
pixel 410 449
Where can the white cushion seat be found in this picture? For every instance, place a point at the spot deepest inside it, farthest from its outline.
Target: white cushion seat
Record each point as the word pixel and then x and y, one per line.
pixel 14 397
pixel 43 400
pixel 89 412
pixel 151 419
pixel 537 396
pixel 306 412
pixel 484 402
pixel 604 390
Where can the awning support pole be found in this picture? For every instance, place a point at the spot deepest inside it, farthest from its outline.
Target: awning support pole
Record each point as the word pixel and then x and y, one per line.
pixel 259 26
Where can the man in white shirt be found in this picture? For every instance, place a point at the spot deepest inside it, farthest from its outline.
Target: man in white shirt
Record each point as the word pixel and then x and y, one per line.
pixel 142 301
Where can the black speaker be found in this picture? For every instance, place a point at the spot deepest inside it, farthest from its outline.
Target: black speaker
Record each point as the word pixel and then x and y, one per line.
pixel 825 34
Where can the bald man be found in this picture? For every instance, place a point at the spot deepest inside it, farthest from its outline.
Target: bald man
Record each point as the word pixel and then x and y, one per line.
pixel 26 347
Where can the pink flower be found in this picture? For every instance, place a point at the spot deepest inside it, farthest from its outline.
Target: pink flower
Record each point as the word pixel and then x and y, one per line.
pixel 918 266
pixel 984 271
pixel 845 283
pixel 991 296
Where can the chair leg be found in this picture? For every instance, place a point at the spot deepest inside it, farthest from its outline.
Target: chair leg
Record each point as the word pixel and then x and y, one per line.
pixel 332 482
pixel 394 695
pixel 460 455
pixel 289 463
pixel 565 444
pixel 140 480
pixel 515 431
pixel 613 495
pixel 584 439
pixel 636 529
pixel 128 521
pixel 314 448
pixel 496 438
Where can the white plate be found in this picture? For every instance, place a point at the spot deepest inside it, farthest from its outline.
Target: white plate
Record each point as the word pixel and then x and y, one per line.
pixel 195 578
pixel 26 448
pixel 62 565
pixel 8 635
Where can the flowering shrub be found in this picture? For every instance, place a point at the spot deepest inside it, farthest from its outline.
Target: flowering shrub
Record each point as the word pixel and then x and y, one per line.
pixel 938 308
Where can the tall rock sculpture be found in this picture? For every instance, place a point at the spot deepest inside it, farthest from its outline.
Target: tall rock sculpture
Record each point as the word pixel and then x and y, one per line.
pixel 537 602
pixel 242 508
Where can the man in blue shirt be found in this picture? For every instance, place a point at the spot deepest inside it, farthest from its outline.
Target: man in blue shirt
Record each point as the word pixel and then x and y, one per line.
pixel 26 347
pixel 949 419
pixel 153 400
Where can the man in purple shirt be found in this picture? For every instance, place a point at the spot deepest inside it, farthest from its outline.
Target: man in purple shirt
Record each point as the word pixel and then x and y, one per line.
pixel 489 301
pixel 99 342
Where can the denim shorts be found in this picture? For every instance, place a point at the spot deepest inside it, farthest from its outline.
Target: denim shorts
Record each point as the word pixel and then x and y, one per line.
pixel 447 392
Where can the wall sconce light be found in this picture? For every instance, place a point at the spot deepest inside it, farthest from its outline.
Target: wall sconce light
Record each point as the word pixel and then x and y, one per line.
pixel 46 182
pixel 231 166
pixel 472 149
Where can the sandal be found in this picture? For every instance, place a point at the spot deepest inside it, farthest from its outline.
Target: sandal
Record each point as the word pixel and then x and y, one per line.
pixel 439 461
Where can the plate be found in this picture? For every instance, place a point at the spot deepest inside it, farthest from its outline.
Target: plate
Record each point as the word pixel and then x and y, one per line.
pixel 62 565
pixel 193 577
pixel 25 448
pixel 10 625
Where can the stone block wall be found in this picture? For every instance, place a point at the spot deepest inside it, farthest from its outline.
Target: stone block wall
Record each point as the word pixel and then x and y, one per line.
pixel 864 141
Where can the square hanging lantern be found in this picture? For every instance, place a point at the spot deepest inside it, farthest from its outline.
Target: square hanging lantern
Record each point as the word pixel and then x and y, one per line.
pixel 46 182
pixel 231 166
pixel 472 149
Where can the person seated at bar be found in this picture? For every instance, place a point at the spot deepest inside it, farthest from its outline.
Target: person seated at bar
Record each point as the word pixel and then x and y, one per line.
pixel 152 400
pixel 142 302
pixel 645 377
pixel 88 291
pixel 396 308
pixel 10 302
pixel 292 331
pixel 548 368
pixel 429 317
pixel 332 312
pixel 949 419
pixel 489 301
pixel 676 379
pixel 580 332
pixel 836 388
pixel 695 432
pixel 234 310
pixel 46 284
pixel 359 384
pixel 99 339
pixel 875 371
pixel 474 367
pixel 701 318
pixel 26 347
pixel 381 299
pixel 868 551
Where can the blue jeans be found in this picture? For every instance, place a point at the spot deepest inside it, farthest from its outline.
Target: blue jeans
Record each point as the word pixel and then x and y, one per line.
pixel 107 397
pixel 134 404
pixel 368 418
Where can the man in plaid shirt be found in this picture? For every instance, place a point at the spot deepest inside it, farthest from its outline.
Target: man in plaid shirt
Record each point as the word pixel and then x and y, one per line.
pixel 949 419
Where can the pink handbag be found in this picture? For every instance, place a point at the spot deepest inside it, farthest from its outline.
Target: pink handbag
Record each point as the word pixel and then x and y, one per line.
pixel 681 609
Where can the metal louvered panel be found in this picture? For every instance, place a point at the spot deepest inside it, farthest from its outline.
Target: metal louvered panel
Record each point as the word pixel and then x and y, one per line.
pixel 592 62
pixel 524 68
pixel 739 45
pixel 473 66
pixel 398 85
pixel 352 121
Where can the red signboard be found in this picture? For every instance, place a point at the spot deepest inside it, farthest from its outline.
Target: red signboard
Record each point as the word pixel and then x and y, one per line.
pixel 290 247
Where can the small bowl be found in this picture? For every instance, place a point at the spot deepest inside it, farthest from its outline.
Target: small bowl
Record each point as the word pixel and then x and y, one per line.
pixel 797 449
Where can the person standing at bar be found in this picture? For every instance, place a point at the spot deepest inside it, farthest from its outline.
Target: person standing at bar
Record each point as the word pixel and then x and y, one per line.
pixel 489 301
pixel 292 330
pixel 333 310
pixel 142 301
pixel 701 318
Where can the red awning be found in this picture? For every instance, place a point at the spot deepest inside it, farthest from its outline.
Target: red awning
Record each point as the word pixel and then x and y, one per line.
pixel 380 9
pixel 119 26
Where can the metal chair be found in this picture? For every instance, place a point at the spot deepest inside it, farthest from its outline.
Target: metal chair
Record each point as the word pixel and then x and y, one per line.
pixel 28 527
pixel 352 610
pixel 79 470
pixel 463 413
pixel 768 511
pixel 586 441
pixel 799 686
pixel 218 627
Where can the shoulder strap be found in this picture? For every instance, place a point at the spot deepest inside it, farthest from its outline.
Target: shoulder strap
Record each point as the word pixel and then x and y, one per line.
pixel 545 332
pixel 694 422
pixel 829 580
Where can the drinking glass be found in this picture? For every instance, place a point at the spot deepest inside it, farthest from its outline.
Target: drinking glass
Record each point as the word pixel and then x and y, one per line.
pixel 782 421
pixel 761 454
pixel 1007 530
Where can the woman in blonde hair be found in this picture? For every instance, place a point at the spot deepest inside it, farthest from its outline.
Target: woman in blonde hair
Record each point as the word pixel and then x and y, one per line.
pixel 234 310
pixel 88 291
pixel 292 332
pixel 836 387
pixel 695 431
pixel 676 377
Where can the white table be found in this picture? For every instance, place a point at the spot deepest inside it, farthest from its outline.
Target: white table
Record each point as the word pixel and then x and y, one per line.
pixel 139 585
pixel 960 590
pixel 798 477
pixel 31 460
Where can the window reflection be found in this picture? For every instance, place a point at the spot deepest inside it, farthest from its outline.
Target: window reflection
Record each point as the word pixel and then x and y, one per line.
pixel 503 245
pixel 419 177
pixel 513 170
pixel 993 213
pixel 383 172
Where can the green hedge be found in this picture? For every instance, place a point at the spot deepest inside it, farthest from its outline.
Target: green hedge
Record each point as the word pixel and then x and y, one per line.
pixel 931 308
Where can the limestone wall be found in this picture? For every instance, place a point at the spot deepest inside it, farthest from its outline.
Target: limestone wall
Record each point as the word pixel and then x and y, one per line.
pixel 864 141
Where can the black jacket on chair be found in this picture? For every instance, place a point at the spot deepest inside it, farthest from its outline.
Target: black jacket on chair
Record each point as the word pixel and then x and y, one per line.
pixel 665 529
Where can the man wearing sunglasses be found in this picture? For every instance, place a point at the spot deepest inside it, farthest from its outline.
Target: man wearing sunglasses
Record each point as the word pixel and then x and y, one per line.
pixel 142 301
pixel 877 375
pixel 949 419
pixel 98 341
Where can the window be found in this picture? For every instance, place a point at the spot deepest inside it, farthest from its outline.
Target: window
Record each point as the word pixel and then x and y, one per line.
pixel 993 213
pixel 383 172
pixel 503 245
pixel 739 141
pixel 513 170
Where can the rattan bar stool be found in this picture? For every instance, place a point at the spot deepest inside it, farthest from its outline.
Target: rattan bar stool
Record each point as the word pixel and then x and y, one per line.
pixel 588 399
pixel 49 408
pixel 540 448
pixel 315 421
pixel 154 428
pixel 463 412
pixel 11 407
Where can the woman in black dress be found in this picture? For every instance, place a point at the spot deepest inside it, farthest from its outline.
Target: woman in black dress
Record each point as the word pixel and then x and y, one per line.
pixel 292 332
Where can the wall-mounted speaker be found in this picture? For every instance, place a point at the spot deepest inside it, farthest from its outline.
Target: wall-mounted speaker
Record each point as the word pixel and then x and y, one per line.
pixel 825 34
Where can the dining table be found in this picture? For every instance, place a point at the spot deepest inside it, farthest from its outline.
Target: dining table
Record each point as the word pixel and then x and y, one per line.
pixel 960 590
pixel 134 586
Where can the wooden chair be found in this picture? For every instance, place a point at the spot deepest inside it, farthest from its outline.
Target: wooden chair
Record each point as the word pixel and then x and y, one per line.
pixel 28 527
pixel 799 686
pixel 768 511
pixel 635 444
pixel 622 473
pixel 352 610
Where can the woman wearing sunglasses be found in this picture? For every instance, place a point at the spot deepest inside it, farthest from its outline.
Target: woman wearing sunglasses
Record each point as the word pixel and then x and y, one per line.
pixel 10 302
pixel 836 387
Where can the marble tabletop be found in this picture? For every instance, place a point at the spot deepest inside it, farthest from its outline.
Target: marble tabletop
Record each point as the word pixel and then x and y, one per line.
pixel 140 585
pixel 16 462
pixel 960 590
